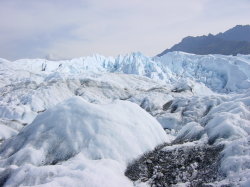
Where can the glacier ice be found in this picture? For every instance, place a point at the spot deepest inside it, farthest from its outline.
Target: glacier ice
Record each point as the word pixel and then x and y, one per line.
pixel 203 98
pixel 218 72
pixel 119 132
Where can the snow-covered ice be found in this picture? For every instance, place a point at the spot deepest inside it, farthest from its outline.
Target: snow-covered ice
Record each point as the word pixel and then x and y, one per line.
pixel 76 127
pixel 78 122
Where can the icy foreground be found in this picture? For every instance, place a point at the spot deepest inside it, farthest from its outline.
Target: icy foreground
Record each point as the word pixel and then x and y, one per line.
pixel 80 122
pixel 81 132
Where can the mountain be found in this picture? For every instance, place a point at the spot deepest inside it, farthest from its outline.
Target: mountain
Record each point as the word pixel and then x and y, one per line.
pixel 237 33
pixel 232 42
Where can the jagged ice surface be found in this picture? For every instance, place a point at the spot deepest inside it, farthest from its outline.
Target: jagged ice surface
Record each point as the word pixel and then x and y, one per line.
pixel 194 97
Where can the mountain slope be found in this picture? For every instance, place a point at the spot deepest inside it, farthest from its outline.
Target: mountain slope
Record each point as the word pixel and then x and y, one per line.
pixel 237 33
pixel 232 42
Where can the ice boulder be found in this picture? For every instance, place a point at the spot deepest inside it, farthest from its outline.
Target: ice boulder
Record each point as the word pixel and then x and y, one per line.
pixel 119 131
pixel 191 131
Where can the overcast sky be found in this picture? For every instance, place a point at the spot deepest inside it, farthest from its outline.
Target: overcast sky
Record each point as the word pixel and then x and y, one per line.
pixel 73 28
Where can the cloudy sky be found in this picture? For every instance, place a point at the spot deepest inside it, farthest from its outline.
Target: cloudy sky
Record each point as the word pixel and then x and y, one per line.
pixel 73 28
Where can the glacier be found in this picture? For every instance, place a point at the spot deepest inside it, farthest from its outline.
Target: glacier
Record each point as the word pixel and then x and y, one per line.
pixel 50 110
pixel 76 127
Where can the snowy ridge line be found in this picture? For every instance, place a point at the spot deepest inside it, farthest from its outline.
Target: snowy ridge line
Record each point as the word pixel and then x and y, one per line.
pixel 218 72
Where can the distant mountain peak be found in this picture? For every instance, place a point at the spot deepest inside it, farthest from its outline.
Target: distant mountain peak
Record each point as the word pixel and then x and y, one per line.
pixel 237 33
pixel 231 42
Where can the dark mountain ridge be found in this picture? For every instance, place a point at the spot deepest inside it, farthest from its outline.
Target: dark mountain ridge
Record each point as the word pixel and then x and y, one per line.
pixel 232 42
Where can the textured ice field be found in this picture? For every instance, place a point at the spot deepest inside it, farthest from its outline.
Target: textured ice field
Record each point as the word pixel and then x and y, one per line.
pixel 79 122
